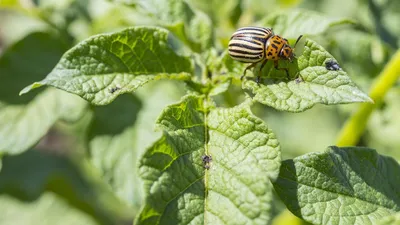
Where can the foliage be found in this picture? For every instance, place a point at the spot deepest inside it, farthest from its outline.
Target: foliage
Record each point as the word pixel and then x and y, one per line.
pixel 78 142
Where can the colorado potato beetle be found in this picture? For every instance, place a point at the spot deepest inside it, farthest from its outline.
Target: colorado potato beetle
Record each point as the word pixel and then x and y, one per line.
pixel 258 44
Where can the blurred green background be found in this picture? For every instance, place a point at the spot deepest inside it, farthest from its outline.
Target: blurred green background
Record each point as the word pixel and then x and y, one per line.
pixel 83 169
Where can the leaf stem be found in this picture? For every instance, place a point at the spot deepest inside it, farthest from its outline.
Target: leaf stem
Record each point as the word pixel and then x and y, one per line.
pixel 355 125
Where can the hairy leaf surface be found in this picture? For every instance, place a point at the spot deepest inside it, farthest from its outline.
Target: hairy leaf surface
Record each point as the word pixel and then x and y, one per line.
pixel 236 187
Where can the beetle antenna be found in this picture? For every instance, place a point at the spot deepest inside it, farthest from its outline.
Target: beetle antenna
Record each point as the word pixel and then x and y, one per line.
pixel 298 39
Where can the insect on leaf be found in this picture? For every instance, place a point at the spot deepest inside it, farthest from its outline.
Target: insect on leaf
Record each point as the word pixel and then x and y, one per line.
pixel 320 85
pixel 232 184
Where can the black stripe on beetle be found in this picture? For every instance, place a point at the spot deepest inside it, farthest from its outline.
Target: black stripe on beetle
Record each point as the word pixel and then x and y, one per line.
pixel 276 42
pixel 244 51
pixel 245 46
pixel 247 41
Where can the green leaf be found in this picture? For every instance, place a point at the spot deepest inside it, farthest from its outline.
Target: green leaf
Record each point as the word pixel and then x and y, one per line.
pixel 192 26
pixel 218 85
pixel 221 12
pixel 225 65
pixel 291 24
pixel 22 126
pixel 351 185
pixel 49 173
pixel 236 187
pixel 107 65
pixel 319 84
pixel 393 219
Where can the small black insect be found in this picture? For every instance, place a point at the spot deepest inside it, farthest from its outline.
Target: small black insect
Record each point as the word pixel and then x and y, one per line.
pixel 114 89
pixel 206 161
pixel 206 158
pixel 332 65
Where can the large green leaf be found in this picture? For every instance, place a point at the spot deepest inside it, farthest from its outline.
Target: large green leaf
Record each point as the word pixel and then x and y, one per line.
pixel 32 174
pixel 107 65
pixel 318 84
pixel 236 187
pixel 391 220
pixel 340 186
pixel 291 24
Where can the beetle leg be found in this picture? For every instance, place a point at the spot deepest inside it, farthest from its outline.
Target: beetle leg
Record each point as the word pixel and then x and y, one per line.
pixel 249 67
pixel 259 72
pixel 285 69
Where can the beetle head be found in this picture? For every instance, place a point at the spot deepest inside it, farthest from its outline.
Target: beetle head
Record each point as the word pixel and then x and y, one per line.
pixel 287 52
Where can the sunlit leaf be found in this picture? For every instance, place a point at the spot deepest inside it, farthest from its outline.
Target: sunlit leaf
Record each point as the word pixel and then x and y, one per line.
pixel 245 154
pixel 340 186
pixel 107 65
pixel 317 84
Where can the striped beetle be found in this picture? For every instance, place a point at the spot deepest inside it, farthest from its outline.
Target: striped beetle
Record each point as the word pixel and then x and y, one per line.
pixel 258 44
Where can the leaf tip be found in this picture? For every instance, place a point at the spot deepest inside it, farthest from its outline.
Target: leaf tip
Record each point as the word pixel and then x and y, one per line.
pixel 30 87
pixel 368 99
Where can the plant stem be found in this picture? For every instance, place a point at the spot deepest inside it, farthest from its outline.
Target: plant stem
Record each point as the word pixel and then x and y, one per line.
pixel 355 125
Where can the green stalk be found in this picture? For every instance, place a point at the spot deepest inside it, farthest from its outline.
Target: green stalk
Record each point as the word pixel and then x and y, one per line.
pixel 355 125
